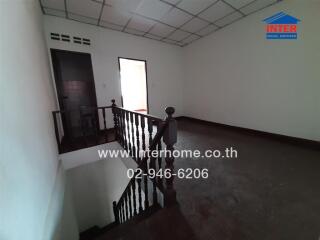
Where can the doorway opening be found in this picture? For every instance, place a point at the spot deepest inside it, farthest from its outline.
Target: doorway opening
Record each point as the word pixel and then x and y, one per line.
pixel 134 87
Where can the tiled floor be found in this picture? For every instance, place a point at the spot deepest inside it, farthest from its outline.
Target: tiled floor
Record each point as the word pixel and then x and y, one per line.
pixel 270 192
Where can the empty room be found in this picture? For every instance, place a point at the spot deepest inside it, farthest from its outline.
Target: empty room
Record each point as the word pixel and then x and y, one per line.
pixel 160 119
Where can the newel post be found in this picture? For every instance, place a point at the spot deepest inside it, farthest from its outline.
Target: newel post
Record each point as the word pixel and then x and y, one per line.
pixel 115 212
pixel 114 117
pixel 170 138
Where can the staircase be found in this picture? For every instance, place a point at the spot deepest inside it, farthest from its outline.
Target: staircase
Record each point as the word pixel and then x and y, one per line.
pixel 151 186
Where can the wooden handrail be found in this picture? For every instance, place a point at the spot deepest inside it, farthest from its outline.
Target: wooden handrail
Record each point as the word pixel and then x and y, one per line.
pixel 157 119
pixel 99 134
pixel 77 110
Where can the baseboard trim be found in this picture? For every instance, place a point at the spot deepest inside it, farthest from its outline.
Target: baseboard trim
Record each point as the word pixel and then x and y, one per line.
pixel 283 138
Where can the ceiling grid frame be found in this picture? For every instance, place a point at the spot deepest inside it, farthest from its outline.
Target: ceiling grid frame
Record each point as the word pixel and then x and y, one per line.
pixel 189 35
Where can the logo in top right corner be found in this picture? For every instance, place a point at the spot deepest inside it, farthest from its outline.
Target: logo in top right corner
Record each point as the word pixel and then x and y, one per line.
pixel 281 26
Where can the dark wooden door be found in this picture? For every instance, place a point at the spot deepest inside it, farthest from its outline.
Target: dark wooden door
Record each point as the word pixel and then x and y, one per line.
pixel 76 91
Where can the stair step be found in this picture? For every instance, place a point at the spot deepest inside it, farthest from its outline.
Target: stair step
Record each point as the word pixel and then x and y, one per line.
pixel 167 223
pixel 113 229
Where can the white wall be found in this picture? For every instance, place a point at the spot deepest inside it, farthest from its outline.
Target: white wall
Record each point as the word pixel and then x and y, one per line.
pixel 95 183
pixel 31 180
pixel 164 62
pixel 94 187
pixel 68 225
pixel 237 77
pixel 87 155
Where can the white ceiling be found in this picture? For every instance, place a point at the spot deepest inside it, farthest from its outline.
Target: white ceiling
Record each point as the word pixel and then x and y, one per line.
pixel 177 22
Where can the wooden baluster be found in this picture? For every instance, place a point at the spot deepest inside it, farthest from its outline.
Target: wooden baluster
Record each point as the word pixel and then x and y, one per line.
pixel 126 205
pixel 127 130
pixel 124 210
pixel 146 190
pixel 104 124
pixel 95 124
pixel 118 125
pixel 170 138
pixel 150 130
pixel 121 127
pixel 115 119
pixel 129 122
pixel 152 163
pixel 137 138
pixel 154 187
pixel 159 148
pixel 121 212
pixel 129 201
pixel 130 133
pixel 134 198
pixel 124 130
pixel 104 118
pixel 131 198
pixel 143 123
pixel 145 177
pixel 115 212
pixel 139 195
pixel 133 139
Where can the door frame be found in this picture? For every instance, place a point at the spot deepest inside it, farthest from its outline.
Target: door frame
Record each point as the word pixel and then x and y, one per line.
pixel 57 88
pixel 146 71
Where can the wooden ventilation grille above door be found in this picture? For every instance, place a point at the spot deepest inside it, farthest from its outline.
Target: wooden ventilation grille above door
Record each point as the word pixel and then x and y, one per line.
pixel 67 38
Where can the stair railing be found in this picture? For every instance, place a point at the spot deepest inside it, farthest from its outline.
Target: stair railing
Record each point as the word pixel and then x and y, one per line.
pixel 134 131
pixel 80 128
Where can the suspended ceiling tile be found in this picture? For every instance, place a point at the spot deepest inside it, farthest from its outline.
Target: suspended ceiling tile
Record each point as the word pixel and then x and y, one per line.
pixel 170 41
pixel 174 2
pixel 190 39
pixel 134 31
pixel 111 26
pixel 55 4
pixel 228 19
pixel 115 16
pixel 176 17
pixel 124 5
pixel 83 19
pixel 195 6
pixel 239 3
pixel 141 23
pixel 84 7
pixel 145 15
pixel 194 25
pixel 153 9
pixel 216 11
pixel 161 30
pixel 257 5
pixel 207 30
pixel 148 35
pixel 54 12
pixel 178 35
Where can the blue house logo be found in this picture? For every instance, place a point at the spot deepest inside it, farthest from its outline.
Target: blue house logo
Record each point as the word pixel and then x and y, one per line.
pixel 281 26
